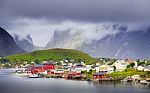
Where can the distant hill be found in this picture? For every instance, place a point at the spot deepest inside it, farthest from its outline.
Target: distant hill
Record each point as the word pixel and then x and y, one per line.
pixel 8 45
pixel 52 54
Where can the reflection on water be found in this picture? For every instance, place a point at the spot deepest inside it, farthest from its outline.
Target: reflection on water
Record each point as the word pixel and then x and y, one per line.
pixel 12 83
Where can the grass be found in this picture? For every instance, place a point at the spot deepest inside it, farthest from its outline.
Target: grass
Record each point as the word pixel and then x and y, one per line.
pixel 130 72
pixel 52 54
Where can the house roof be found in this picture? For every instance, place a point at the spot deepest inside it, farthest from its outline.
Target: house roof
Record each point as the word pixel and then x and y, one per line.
pixel 100 73
pixel 147 67
pixel 47 63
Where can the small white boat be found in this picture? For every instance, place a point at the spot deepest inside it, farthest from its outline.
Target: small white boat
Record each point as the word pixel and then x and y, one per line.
pixel 33 76
pixel 143 82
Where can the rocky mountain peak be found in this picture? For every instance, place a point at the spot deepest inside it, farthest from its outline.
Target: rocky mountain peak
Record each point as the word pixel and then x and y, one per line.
pixel 7 44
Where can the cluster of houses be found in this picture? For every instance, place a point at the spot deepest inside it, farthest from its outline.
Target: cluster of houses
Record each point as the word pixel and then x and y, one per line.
pixel 68 70
pixel 74 70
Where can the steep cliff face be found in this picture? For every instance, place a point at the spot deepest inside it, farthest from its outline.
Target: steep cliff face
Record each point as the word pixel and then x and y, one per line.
pixel 7 44
pixel 24 43
pixel 122 44
pixel 59 39
pixel 65 39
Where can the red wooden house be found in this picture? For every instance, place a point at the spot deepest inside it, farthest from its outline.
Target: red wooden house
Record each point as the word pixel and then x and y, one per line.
pixel 41 69
pixel 99 75
pixel 72 74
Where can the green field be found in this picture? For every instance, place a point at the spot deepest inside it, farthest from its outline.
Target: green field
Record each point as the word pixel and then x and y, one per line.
pixel 130 72
pixel 52 54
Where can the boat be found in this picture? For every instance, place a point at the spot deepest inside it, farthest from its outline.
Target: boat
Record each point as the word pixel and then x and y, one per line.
pixel 147 81
pixel 33 76
pixel 127 80
pixel 88 79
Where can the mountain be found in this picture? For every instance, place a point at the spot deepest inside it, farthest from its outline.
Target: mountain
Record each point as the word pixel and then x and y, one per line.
pixel 118 42
pixel 7 44
pixel 55 54
pixel 65 39
pixel 59 39
pixel 26 43
pixel 134 45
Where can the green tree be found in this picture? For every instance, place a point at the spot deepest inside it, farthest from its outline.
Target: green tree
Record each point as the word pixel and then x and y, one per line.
pixel 114 68
pixel 3 60
pixel 37 61
pixel 131 65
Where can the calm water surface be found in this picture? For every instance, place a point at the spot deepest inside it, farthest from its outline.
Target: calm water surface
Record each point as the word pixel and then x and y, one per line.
pixel 12 83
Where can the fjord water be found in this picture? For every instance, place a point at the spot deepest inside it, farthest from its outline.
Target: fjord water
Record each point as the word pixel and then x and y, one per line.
pixel 12 83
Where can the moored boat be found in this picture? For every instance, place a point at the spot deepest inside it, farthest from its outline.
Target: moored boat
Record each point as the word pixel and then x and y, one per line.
pixel 143 82
pixel 33 76
pixel 127 80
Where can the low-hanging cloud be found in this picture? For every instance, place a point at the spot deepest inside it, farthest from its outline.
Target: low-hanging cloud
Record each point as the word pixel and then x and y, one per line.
pixel 42 30
pixel 41 18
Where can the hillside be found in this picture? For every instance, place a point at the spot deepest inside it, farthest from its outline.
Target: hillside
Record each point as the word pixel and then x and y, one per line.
pixel 52 54
pixel 7 44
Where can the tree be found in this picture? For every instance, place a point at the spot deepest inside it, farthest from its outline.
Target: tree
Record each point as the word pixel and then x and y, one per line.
pixel 37 61
pixel 114 68
pixel 140 63
pixel 83 72
pixel 90 71
pixel 131 65
pixel 3 60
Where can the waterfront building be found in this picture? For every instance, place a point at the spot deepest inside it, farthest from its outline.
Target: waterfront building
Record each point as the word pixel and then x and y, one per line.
pixel 105 68
pixel 41 69
pixel 120 65
pixel 99 75
pixel 140 68
pixel 147 68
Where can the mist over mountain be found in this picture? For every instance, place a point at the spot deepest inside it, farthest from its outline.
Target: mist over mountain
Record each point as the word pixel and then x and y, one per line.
pixel 122 45
pixel 25 43
pixel 65 39
pixel 114 41
pixel 98 40
pixel 94 26
pixel 8 45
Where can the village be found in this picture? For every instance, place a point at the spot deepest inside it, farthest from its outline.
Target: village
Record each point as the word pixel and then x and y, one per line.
pixel 68 69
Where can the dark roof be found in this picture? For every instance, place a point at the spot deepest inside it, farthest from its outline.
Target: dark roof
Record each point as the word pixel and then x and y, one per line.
pixel 79 65
pixel 100 73
pixel 147 67
pixel 47 63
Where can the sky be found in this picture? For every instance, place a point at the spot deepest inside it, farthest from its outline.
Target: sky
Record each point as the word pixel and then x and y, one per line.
pixel 40 18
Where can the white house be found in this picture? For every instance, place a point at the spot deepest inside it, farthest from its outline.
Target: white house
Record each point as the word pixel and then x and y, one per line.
pixel 120 65
pixel 147 68
pixel 88 68
pixel 105 68
pixel 97 64
pixel 78 68
pixel 136 64
pixel 64 63
pixel 140 68
pixel 70 65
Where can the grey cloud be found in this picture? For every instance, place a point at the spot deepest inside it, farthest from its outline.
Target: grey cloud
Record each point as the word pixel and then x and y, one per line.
pixel 81 10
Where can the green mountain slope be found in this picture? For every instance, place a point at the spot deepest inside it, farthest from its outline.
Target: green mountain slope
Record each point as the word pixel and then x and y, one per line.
pixel 52 54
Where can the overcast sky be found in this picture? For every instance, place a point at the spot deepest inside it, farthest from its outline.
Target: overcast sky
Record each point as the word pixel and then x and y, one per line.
pixel 41 18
